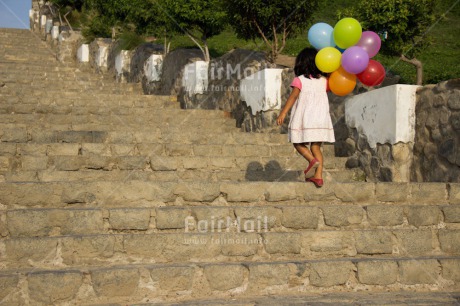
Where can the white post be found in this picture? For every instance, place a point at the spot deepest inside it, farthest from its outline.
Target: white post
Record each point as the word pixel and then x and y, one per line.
pixel 83 53
pixel 153 68
pixel 55 32
pixel 43 21
pixel 195 79
pixel 49 26
pixel 122 63
pixel 262 90
pixel 101 57
pixel 385 115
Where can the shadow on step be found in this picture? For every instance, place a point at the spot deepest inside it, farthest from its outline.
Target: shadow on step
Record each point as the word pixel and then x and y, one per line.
pixel 271 172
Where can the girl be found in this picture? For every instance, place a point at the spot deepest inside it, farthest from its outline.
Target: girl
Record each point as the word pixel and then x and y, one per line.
pixel 310 119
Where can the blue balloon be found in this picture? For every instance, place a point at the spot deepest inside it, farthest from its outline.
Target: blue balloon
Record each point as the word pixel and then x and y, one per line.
pixel 321 36
pixel 340 49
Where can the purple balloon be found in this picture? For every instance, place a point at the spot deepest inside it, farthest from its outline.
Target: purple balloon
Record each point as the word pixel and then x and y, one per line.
pixel 371 42
pixel 355 60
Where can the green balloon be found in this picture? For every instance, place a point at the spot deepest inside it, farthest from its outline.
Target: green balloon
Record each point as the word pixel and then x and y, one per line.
pixel 347 32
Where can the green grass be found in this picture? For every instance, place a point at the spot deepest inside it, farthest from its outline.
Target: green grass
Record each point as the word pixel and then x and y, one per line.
pixel 441 60
pixel 220 44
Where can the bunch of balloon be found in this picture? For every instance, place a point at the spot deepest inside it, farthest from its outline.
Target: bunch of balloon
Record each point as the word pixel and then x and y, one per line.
pixel 345 52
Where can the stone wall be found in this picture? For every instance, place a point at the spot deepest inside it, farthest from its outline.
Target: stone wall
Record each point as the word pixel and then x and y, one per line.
pixel 139 57
pixel 265 121
pixel 224 76
pixel 172 72
pixel 67 46
pixel 437 140
pixel 35 4
pixel 432 155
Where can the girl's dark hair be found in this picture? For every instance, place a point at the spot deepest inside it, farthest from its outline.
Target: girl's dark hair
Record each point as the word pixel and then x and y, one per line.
pixel 305 64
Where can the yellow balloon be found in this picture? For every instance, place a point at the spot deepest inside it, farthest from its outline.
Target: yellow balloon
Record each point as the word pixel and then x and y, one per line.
pixel 328 59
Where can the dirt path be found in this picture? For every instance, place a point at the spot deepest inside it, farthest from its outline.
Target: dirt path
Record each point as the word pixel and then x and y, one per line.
pixel 285 60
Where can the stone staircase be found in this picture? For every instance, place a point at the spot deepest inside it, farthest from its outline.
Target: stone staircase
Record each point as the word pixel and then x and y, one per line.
pixel 111 197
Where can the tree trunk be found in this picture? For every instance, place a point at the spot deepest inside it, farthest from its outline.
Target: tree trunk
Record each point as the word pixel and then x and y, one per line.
pixel 203 50
pixel 207 57
pixel 167 45
pixel 418 65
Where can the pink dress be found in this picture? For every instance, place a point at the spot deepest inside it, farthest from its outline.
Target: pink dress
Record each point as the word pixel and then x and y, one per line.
pixel 310 118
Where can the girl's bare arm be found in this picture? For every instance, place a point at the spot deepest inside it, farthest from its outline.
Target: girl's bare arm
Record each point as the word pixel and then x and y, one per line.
pixel 287 107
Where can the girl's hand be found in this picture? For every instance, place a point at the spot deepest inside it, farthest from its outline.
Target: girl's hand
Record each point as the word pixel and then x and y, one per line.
pixel 280 119
pixel 289 103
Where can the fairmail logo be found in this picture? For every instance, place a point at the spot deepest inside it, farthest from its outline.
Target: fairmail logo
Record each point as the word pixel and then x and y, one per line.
pixel 220 225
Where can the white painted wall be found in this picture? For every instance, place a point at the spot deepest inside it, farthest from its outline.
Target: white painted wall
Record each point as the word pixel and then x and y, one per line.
pixel 36 17
pixel 49 26
pixel 55 32
pixel 61 37
pixel 83 53
pixel 153 68
pixel 102 56
pixel 43 21
pixel 195 79
pixel 262 90
pixel 385 115
pixel 123 62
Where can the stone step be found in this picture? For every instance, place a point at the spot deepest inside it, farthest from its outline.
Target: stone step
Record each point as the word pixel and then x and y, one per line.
pixel 69 87
pixel 125 249
pixel 75 129
pixel 161 156
pixel 51 67
pixel 38 60
pixel 64 86
pixel 269 149
pixel 191 281
pixel 124 119
pixel 21 49
pixel 140 193
pixel 109 107
pixel 209 175
pixel 89 91
pixel 27 105
pixel 128 107
pixel 34 82
pixel 344 229
pixel 41 58
pixel 245 166
pixel 70 98
pixel 106 114
pixel 51 71
pixel 141 137
pixel 330 299
pixel 105 107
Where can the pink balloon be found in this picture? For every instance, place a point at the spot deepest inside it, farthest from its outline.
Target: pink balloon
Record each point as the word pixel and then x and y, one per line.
pixel 371 42
pixel 355 60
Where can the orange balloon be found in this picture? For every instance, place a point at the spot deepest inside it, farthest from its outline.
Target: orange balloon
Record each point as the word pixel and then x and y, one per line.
pixel 342 82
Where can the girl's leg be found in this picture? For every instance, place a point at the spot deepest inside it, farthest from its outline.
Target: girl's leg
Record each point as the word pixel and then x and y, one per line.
pixel 316 151
pixel 304 151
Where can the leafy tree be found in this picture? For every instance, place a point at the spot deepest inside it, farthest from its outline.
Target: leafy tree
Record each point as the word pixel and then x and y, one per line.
pixel 273 20
pixel 74 4
pixel 198 19
pixel 405 22
pixel 69 10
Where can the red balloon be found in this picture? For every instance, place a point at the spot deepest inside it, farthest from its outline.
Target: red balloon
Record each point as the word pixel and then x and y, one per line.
pixel 373 75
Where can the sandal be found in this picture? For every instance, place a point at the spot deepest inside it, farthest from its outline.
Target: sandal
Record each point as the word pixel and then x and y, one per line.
pixel 318 182
pixel 310 171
